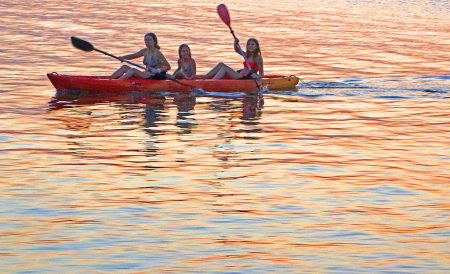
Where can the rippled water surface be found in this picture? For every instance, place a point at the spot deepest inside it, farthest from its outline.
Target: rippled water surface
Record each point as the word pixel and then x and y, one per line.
pixel 348 173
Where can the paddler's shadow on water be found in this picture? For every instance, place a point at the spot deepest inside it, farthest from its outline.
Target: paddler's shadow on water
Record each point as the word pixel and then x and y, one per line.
pixel 153 113
pixel 251 108
pixel 185 104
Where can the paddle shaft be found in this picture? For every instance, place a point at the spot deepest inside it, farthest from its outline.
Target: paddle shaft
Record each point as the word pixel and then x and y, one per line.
pixel 129 62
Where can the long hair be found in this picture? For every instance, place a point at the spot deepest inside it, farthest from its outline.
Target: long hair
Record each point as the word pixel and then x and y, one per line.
pixel 155 39
pixel 255 53
pixel 181 46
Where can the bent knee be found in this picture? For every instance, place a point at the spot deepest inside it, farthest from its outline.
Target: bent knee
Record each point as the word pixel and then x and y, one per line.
pixel 125 67
pixel 133 70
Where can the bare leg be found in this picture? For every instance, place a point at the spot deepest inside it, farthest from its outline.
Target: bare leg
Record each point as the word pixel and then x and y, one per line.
pixel 134 72
pixel 123 69
pixel 179 75
pixel 214 71
pixel 226 70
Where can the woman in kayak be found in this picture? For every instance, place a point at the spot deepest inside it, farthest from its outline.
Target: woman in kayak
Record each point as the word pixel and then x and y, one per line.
pixel 187 68
pixel 254 58
pixel 154 60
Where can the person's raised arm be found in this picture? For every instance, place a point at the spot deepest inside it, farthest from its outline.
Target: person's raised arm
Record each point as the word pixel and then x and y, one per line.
pixel 236 48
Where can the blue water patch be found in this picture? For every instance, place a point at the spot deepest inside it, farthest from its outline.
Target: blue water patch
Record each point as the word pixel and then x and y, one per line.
pixel 10 226
pixel 396 97
pixel 332 85
pixel 4 138
pixel 434 91
pixel 442 77
pixel 389 190
pixel 348 234
pixel 289 208
pixel 193 227
pixel 139 209
pixel 72 180
pixel 316 168
pixel 188 214
pixel 314 95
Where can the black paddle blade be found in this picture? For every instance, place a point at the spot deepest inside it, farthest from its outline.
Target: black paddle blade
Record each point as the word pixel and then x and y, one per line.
pixel 81 44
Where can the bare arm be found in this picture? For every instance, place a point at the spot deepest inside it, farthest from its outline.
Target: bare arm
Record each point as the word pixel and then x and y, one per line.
pixel 236 48
pixel 179 67
pixel 194 69
pixel 259 63
pixel 133 55
pixel 164 66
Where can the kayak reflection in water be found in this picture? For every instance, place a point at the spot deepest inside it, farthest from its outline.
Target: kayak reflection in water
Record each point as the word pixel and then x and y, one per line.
pixel 254 58
pixel 154 60
pixel 187 68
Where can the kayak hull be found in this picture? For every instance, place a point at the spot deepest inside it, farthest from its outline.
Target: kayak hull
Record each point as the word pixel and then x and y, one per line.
pixel 104 84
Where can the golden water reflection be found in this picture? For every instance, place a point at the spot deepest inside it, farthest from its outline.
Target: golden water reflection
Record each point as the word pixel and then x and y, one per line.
pixel 149 178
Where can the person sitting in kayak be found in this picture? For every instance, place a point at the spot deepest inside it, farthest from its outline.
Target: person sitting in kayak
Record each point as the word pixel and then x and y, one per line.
pixel 187 68
pixel 254 58
pixel 154 60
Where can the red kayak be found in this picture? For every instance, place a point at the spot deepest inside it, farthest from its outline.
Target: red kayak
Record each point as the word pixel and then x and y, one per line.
pixel 104 84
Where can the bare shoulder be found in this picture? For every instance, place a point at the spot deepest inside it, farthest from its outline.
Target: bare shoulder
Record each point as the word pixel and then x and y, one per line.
pixel 158 52
pixel 159 55
pixel 192 60
pixel 259 58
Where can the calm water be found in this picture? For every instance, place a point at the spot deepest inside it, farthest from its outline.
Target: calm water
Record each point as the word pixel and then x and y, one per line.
pixel 348 173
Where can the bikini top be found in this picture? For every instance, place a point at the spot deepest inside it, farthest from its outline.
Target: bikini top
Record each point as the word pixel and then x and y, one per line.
pixel 253 66
pixel 187 69
pixel 153 62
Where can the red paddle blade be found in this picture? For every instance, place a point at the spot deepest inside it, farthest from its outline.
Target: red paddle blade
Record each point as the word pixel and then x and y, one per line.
pixel 223 13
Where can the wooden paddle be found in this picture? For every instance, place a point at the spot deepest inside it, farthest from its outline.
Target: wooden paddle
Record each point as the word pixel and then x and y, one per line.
pixel 225 16
pixel 86 46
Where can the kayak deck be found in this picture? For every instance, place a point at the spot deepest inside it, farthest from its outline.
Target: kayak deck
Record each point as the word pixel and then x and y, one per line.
pixel 104 84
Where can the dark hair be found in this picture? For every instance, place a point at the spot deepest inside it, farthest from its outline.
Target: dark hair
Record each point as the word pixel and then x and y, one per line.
pixel 155 39
pixel 257 50
pixel 181 46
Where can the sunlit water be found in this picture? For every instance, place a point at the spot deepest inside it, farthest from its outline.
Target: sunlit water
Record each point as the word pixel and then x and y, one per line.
pixel 347 173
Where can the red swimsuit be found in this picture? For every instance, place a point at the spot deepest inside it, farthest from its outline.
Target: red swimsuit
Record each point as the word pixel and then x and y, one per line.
pixel 253 66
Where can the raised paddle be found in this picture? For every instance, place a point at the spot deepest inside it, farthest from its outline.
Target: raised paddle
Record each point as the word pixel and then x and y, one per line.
pixel 86 46
pixel 225 16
